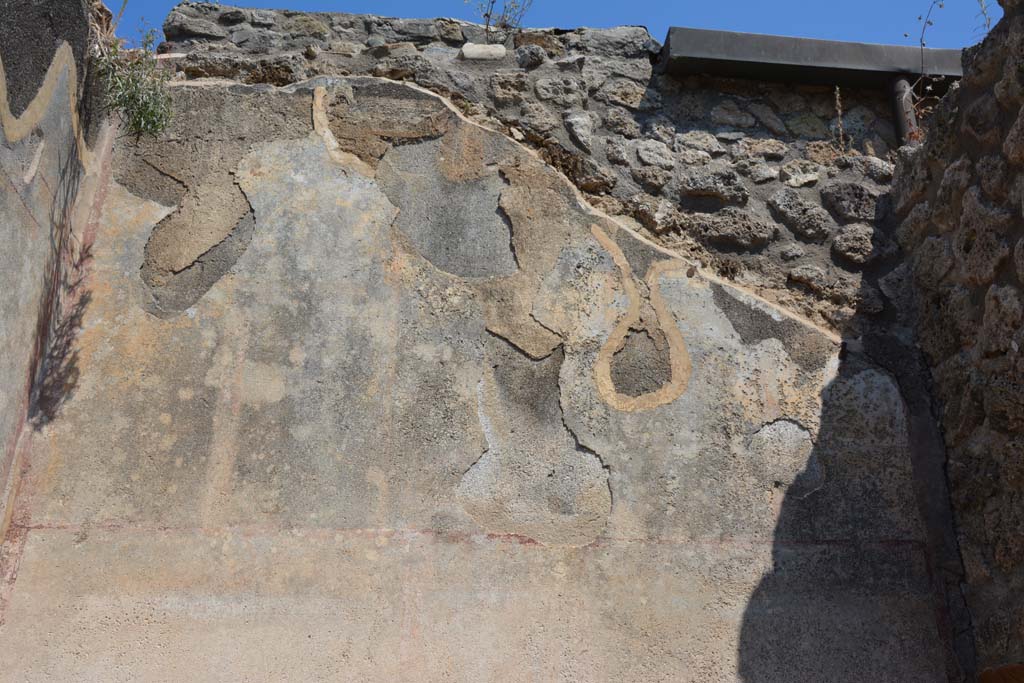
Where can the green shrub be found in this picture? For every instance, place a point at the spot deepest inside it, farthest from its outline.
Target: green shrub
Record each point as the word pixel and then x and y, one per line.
pixel 133 85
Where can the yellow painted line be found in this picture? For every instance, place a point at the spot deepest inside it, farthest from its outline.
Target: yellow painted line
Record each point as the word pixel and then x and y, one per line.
pixel 679 356
pixel 17 128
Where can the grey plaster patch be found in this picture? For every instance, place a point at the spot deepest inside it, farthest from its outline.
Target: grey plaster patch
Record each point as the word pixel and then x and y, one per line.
pixel 534 480
pixel 639 255
pixel 455 224
pixel 641 366
pixel 808 348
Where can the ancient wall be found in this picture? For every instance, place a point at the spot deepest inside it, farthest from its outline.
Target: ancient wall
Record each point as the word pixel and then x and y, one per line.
pixel 959 196
pixel 367 391
pixel 541 351
pixel 42 50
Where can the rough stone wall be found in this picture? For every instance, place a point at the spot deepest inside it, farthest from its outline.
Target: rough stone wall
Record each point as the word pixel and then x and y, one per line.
pixel 959 196
pixel 42 47
pixel 761 182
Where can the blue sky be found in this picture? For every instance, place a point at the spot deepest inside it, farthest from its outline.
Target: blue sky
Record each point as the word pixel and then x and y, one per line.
pixel 875 21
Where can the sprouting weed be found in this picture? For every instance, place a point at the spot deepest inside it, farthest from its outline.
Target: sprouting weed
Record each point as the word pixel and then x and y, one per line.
pixel 507 19
pixel 840 130
pixel 133 84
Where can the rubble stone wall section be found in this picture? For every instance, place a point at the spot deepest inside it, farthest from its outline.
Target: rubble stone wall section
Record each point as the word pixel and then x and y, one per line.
pixel 959 197
pixel 767 184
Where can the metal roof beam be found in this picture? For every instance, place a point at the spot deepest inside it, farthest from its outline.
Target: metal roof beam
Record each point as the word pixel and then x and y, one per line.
pixel 801 60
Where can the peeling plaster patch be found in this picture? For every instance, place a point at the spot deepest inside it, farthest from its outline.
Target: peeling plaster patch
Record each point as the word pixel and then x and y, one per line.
pixel 172 294
pixel 209 212
pixel 321 124
pixel 366 115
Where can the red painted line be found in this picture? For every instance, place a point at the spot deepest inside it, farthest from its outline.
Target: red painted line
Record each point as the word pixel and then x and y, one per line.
pixel 28 210
pixel 11 550
pixel 12 545
pixel 253 530
pixel 16 465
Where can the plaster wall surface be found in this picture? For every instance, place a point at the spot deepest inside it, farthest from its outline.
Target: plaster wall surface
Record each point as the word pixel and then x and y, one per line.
pixel 349 457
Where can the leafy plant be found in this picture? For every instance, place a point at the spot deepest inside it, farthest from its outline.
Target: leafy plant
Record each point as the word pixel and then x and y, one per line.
pixel 133 84
pixel 984 17
pixel 926 23
pixel 506 18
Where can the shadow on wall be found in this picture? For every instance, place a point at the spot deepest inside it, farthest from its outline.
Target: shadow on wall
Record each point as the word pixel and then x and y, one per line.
pixel 31 33
pixel 866 572
pixel 54 364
